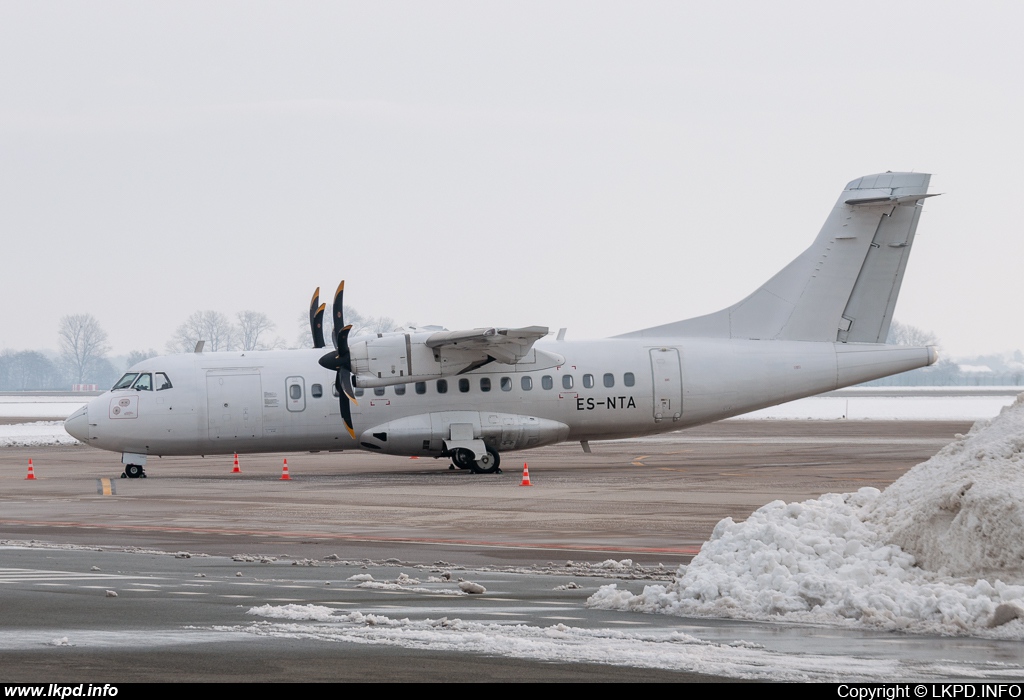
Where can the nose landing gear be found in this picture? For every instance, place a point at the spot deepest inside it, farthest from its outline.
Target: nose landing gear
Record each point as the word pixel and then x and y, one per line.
pixel 134 471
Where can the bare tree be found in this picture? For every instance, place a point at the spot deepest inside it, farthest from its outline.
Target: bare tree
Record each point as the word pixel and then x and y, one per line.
pixel 28 370
pixel 361 325
pixel 905 334
pixel 137 356
pixel 252 326
pixel 82 344
pixel 211 326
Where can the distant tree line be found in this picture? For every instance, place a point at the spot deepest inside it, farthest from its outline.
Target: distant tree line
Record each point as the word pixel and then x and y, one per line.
pixel 83 355
pixel 983 370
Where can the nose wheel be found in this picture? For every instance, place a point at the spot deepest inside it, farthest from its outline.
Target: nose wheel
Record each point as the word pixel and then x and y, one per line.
pixel 133 471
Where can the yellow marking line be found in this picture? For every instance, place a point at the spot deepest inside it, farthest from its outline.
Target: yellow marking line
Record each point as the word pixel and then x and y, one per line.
pixel 638 461
pixel 105 488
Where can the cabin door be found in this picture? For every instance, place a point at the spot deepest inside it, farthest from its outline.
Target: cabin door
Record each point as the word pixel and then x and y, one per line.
pixel 668 384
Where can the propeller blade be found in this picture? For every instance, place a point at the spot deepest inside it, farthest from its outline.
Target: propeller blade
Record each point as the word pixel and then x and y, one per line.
pixel 346 409
pixel 316 319
pixel 339 313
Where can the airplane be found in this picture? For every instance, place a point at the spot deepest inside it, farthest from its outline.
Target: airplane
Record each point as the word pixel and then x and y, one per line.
pixel 471 396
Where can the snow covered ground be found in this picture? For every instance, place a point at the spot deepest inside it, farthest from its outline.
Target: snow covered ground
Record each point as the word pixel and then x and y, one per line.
pixel 866 406
pixel 32 406
pixel 37 434
pixel 938 552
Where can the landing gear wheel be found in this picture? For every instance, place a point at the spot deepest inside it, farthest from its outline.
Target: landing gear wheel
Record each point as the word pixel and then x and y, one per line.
pixel 134 471
pixel 487 464
pixel 463 458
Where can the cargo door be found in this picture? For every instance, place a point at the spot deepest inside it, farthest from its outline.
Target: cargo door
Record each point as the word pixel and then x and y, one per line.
pixel 234 405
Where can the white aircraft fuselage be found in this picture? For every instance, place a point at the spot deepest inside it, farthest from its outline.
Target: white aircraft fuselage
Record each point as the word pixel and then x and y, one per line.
pixel 817 325
pixel 226 402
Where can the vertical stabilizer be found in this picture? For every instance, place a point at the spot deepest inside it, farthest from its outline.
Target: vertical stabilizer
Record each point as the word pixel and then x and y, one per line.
pixel 844 287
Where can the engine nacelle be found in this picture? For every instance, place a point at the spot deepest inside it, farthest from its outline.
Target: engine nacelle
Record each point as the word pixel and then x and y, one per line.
pixel 400 358
pixel 436 433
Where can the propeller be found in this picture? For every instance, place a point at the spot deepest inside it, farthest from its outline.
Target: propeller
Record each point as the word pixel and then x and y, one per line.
pixel 341 361
pixel 316 319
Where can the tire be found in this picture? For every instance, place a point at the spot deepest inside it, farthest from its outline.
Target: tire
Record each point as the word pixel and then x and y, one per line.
pixel 488 464
pixel 134 471
pixel 463 459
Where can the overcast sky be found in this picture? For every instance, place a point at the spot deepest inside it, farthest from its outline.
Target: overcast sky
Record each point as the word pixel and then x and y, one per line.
pixel 600 166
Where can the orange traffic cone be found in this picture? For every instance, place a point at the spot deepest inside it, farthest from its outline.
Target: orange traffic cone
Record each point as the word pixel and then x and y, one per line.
pixel 414 457
pixel 284 472
pixel 31 474
pixel 236 470
pixel 526 475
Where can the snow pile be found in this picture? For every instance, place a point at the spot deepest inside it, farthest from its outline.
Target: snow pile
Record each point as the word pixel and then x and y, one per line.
pixel 614 565
pixel 471 587
pixel 320 613
pixel 898 560
pixel 962 512
pixel 41 433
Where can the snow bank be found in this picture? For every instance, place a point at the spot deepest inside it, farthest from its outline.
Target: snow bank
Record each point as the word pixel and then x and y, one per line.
pixel 900 560
pixel 38 434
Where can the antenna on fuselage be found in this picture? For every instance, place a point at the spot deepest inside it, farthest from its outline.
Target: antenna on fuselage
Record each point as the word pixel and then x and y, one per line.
pixel 199 345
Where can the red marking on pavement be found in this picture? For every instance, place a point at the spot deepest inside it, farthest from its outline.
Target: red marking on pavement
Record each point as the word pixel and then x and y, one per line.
pixel 353 538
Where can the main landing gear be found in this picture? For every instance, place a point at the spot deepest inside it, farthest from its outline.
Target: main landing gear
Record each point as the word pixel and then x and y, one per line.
pixel 487 464
pixel 134 471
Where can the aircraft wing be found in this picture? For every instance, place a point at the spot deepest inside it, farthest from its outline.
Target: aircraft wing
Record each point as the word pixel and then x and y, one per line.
pixel 506 345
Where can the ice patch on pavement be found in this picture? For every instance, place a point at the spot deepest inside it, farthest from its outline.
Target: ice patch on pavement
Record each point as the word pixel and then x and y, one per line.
pixel 662 649
pixel 390 586
pixel 909 558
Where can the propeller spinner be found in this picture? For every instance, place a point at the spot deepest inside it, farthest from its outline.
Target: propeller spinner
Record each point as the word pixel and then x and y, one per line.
pixel 341 360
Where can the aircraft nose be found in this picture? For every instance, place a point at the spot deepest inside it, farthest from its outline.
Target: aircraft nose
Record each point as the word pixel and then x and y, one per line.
pixel 77 424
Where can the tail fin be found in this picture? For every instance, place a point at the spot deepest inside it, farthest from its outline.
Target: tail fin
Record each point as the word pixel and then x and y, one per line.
pixel 841 289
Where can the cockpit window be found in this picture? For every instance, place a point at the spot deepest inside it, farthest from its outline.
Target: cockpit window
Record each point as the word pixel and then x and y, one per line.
pixel 144 382
pixel 125 381
pixel 162 382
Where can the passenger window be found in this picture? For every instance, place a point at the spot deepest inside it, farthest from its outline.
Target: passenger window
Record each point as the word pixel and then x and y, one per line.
pixel 359 391
pixel 628 379
pixel 588 381
pixel 547 382
pixel 567 381
pixel 162 382
pixel 316 390
pixel 506 383
pixel 399 389
pixel 442 386
pixel 295 392
pixel 526 383
pixel 421 387
pixel 485 384
pixel 463 385
pixel 378 391
pixel 609 380
pixel 125 381
pixel 144 382
pixel 334 390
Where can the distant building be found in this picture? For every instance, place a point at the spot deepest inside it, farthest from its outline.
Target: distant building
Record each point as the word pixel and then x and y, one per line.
pixel 85 387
